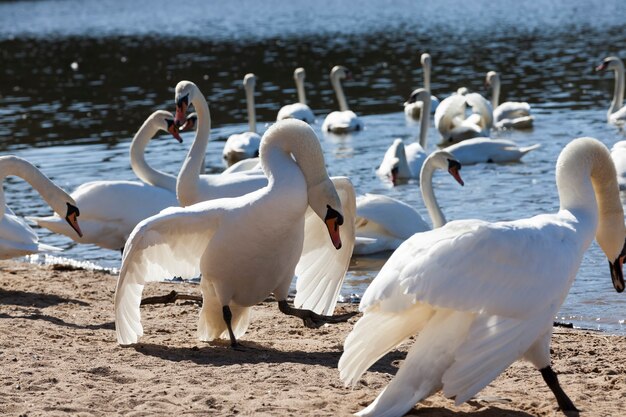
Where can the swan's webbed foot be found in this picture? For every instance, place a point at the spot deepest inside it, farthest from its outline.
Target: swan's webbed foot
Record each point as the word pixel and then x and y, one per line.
pixel 565 404
pixel 312 320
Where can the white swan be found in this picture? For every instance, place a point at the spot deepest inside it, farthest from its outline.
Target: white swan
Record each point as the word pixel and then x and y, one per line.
pixel 344 120
pixel 618 154
pixel 413 107
pixel 481 295
pixel 250 246
pixel 244 145
pixel 617 111
pixel 511 114
pixel 452 123
pixel 16 237
pixel 383 223
pixel 111 209
pixel 299 110
pixel 405 161
pixel 486 150
pixel 191 187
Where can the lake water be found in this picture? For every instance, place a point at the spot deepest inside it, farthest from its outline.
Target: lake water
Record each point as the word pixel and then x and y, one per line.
pixel 78 78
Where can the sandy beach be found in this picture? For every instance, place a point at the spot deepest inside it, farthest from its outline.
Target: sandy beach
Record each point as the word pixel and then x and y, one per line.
pixel 59 357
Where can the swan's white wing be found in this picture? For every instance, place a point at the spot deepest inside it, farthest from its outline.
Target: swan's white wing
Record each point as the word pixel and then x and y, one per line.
pixel 321 268
pixel 399 218
pixel 415 157
pixel 492 344
pixel 167 244
pixel 449 109
pixel 508 268
pixel 481 106
pixel 619 117
pixel 511 110
pixel 618 154
pixel 342 121
pixel 298 111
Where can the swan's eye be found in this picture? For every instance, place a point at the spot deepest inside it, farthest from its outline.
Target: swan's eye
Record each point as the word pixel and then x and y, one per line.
pixel 331 213
pixel 72 209
pixel 454 164
pixel 183 101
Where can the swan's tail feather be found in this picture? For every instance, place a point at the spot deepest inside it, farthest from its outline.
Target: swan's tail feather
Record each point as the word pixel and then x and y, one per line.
pixel 429 357
pixel 374 335
pixel 525 149
pixel 42 247
pixel 211 324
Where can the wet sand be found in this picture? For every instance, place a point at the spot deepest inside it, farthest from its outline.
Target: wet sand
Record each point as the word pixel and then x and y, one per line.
pixel 59 357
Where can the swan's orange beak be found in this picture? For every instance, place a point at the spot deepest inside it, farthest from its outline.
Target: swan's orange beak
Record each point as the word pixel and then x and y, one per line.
pixel 190 123
pixel 333 220
pixel 617 275
pixel 602 66
pixel 454 168
pixel 182 105
pixel 72 218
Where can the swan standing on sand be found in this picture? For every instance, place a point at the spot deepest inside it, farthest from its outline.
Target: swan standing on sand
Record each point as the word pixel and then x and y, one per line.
pixel 191 187
pixel 481 295
pixel 111 209
pixel 250 246
pixel 405 161
pixel 299 110
pixel 16 237
pixel 344 120
pixel 383 223
pixel 617 111
pixel 244 145
pixel 452 123
pixel 511 114
pixel 413 106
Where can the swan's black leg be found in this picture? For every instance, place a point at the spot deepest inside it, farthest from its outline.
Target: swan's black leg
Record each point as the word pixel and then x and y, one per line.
pixel 565 404
pixel 311 319
pixel 228 316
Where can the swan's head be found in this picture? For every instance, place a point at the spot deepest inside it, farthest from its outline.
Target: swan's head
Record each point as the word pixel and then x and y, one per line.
pixel 340 72
pixel 299 74
pixel 445 161
pixel 71 217
pixel 610 63
pixel 190 123
pixel 425 59
pixel 325 202
pixel 163 120
pixel 183 96
pixel 249 80
pixel 420 94
pixel 398 167
pixel 492 77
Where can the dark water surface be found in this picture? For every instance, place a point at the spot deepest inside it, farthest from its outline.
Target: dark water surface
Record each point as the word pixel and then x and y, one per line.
pixel 79 77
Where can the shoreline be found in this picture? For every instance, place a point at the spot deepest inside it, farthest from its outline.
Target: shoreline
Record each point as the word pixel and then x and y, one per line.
pixel 59 356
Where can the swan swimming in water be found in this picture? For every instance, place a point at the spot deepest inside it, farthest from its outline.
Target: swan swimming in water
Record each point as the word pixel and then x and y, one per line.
pixel 299 110
pixel 344 120
pixel 452 123
pixel 244 145
pixel 16 237
pixel 617 111
pixel 111 209
pixel 511 114
pixel 383 223
pixel 475 304
pixel 413 106
pixel 247 247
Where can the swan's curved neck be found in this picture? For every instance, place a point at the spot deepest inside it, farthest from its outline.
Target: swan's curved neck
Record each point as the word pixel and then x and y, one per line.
pixel 49 191
pixel 138 162
pixel 341 98
pixel 587 186
pixel 426 70
pixel 187 181
pixel 426 185
pixel 495 91
pixel 250 104
pixel 300 88
pixel 424 121
pixel 618 93
pixel 302 144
